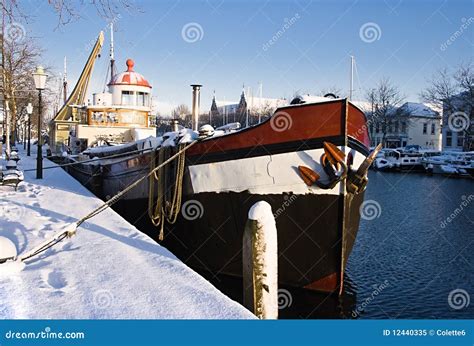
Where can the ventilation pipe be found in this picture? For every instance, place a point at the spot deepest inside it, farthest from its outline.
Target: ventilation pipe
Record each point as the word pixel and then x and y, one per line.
pixel 196 104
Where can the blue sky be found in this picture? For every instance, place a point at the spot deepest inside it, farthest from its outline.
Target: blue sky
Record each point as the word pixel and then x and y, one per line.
pixel 237 44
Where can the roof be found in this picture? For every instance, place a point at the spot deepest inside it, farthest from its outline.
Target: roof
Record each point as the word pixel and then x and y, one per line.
pixel 220 103
pixel 419 110
pixel 364 106
pixel 259 102
pixel 130 77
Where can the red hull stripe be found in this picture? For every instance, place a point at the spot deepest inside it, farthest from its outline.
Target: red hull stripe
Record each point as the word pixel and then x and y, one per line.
pixel 273 149
pixel 294 124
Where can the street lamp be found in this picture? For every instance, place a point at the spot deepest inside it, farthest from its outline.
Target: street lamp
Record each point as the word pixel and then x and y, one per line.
pixel 29 110
pixel 7 114
pixel 40 81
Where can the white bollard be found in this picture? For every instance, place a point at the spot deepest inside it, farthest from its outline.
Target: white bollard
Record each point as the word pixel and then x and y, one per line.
pixel 260 262
pixel 7 249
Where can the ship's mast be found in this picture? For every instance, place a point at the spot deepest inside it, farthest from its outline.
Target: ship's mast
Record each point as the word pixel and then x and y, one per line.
pixel 65 80
pixel 351 86
pixel 112 55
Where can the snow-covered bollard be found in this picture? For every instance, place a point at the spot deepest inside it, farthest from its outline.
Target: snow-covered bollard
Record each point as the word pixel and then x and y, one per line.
pixel 7 249
pixel 260 262
pixel 9 263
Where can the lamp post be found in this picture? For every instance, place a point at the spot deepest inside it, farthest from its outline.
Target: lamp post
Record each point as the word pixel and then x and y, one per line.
pixel 40 81
pixel 24 125
pixel 7 114
pixel 29 110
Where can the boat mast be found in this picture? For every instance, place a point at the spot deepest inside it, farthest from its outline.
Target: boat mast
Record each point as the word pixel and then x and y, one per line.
pixel 260 102
pixel 112 55
pixel 65 80
pixel 351 87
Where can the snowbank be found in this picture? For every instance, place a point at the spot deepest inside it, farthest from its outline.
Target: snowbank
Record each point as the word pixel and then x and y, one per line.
pixel 108 270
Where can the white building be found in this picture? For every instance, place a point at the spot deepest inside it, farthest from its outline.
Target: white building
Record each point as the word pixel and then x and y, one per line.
pixel 422 127
pixel 249 109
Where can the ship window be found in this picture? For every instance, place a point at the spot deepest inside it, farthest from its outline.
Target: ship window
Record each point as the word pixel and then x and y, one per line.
pixel 142 99
pixel 460 140
pixel 425 128
pixel 433 128
pixel 127 98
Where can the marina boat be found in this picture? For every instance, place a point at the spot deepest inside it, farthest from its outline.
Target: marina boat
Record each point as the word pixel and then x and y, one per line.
pixel 399 160
pixel 309 161
pixel 454 164
pixel 119 115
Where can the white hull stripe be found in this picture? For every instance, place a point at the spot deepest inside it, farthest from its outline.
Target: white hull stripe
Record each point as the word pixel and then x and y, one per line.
pixel 269 174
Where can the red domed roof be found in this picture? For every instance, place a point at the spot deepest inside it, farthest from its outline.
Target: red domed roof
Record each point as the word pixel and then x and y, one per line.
pixel 130 77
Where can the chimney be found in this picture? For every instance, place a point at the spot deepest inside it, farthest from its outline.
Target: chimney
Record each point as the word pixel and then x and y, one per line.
pixel 196 104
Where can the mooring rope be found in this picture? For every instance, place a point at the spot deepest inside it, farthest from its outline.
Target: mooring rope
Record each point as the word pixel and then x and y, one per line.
pixel 70 231
pixel 164 209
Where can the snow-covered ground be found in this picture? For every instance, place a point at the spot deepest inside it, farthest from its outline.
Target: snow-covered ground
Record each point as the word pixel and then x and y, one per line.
pixel 107 270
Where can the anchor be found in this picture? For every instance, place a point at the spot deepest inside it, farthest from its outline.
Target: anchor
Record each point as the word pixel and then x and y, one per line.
pixel 333 164
pixel 337 170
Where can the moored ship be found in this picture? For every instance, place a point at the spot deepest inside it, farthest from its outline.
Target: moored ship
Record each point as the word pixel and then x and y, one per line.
pixel 309 161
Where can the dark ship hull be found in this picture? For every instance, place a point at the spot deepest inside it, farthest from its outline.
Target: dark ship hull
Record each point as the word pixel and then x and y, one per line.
pixel 224 176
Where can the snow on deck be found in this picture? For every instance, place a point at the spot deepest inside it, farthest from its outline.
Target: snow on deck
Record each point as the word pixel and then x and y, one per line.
pixel 108 270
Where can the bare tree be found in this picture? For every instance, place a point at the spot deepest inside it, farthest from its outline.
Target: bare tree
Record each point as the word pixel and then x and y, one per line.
pixel 182 113
pixel 70 10
pixel 19 59
pixel 441 90
pixel 453 92
pixel 385 100
pixel 19 54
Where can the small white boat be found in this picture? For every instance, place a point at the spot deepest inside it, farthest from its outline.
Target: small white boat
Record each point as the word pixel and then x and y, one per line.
pixel 456 164
pixel 399 160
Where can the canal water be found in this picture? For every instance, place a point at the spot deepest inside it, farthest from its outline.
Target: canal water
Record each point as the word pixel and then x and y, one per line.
pixel 413 257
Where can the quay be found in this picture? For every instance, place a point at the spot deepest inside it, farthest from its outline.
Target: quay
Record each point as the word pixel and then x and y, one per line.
pixel 108 270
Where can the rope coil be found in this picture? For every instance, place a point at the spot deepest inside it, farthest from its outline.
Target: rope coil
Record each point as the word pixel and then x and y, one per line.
pixel 169 189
